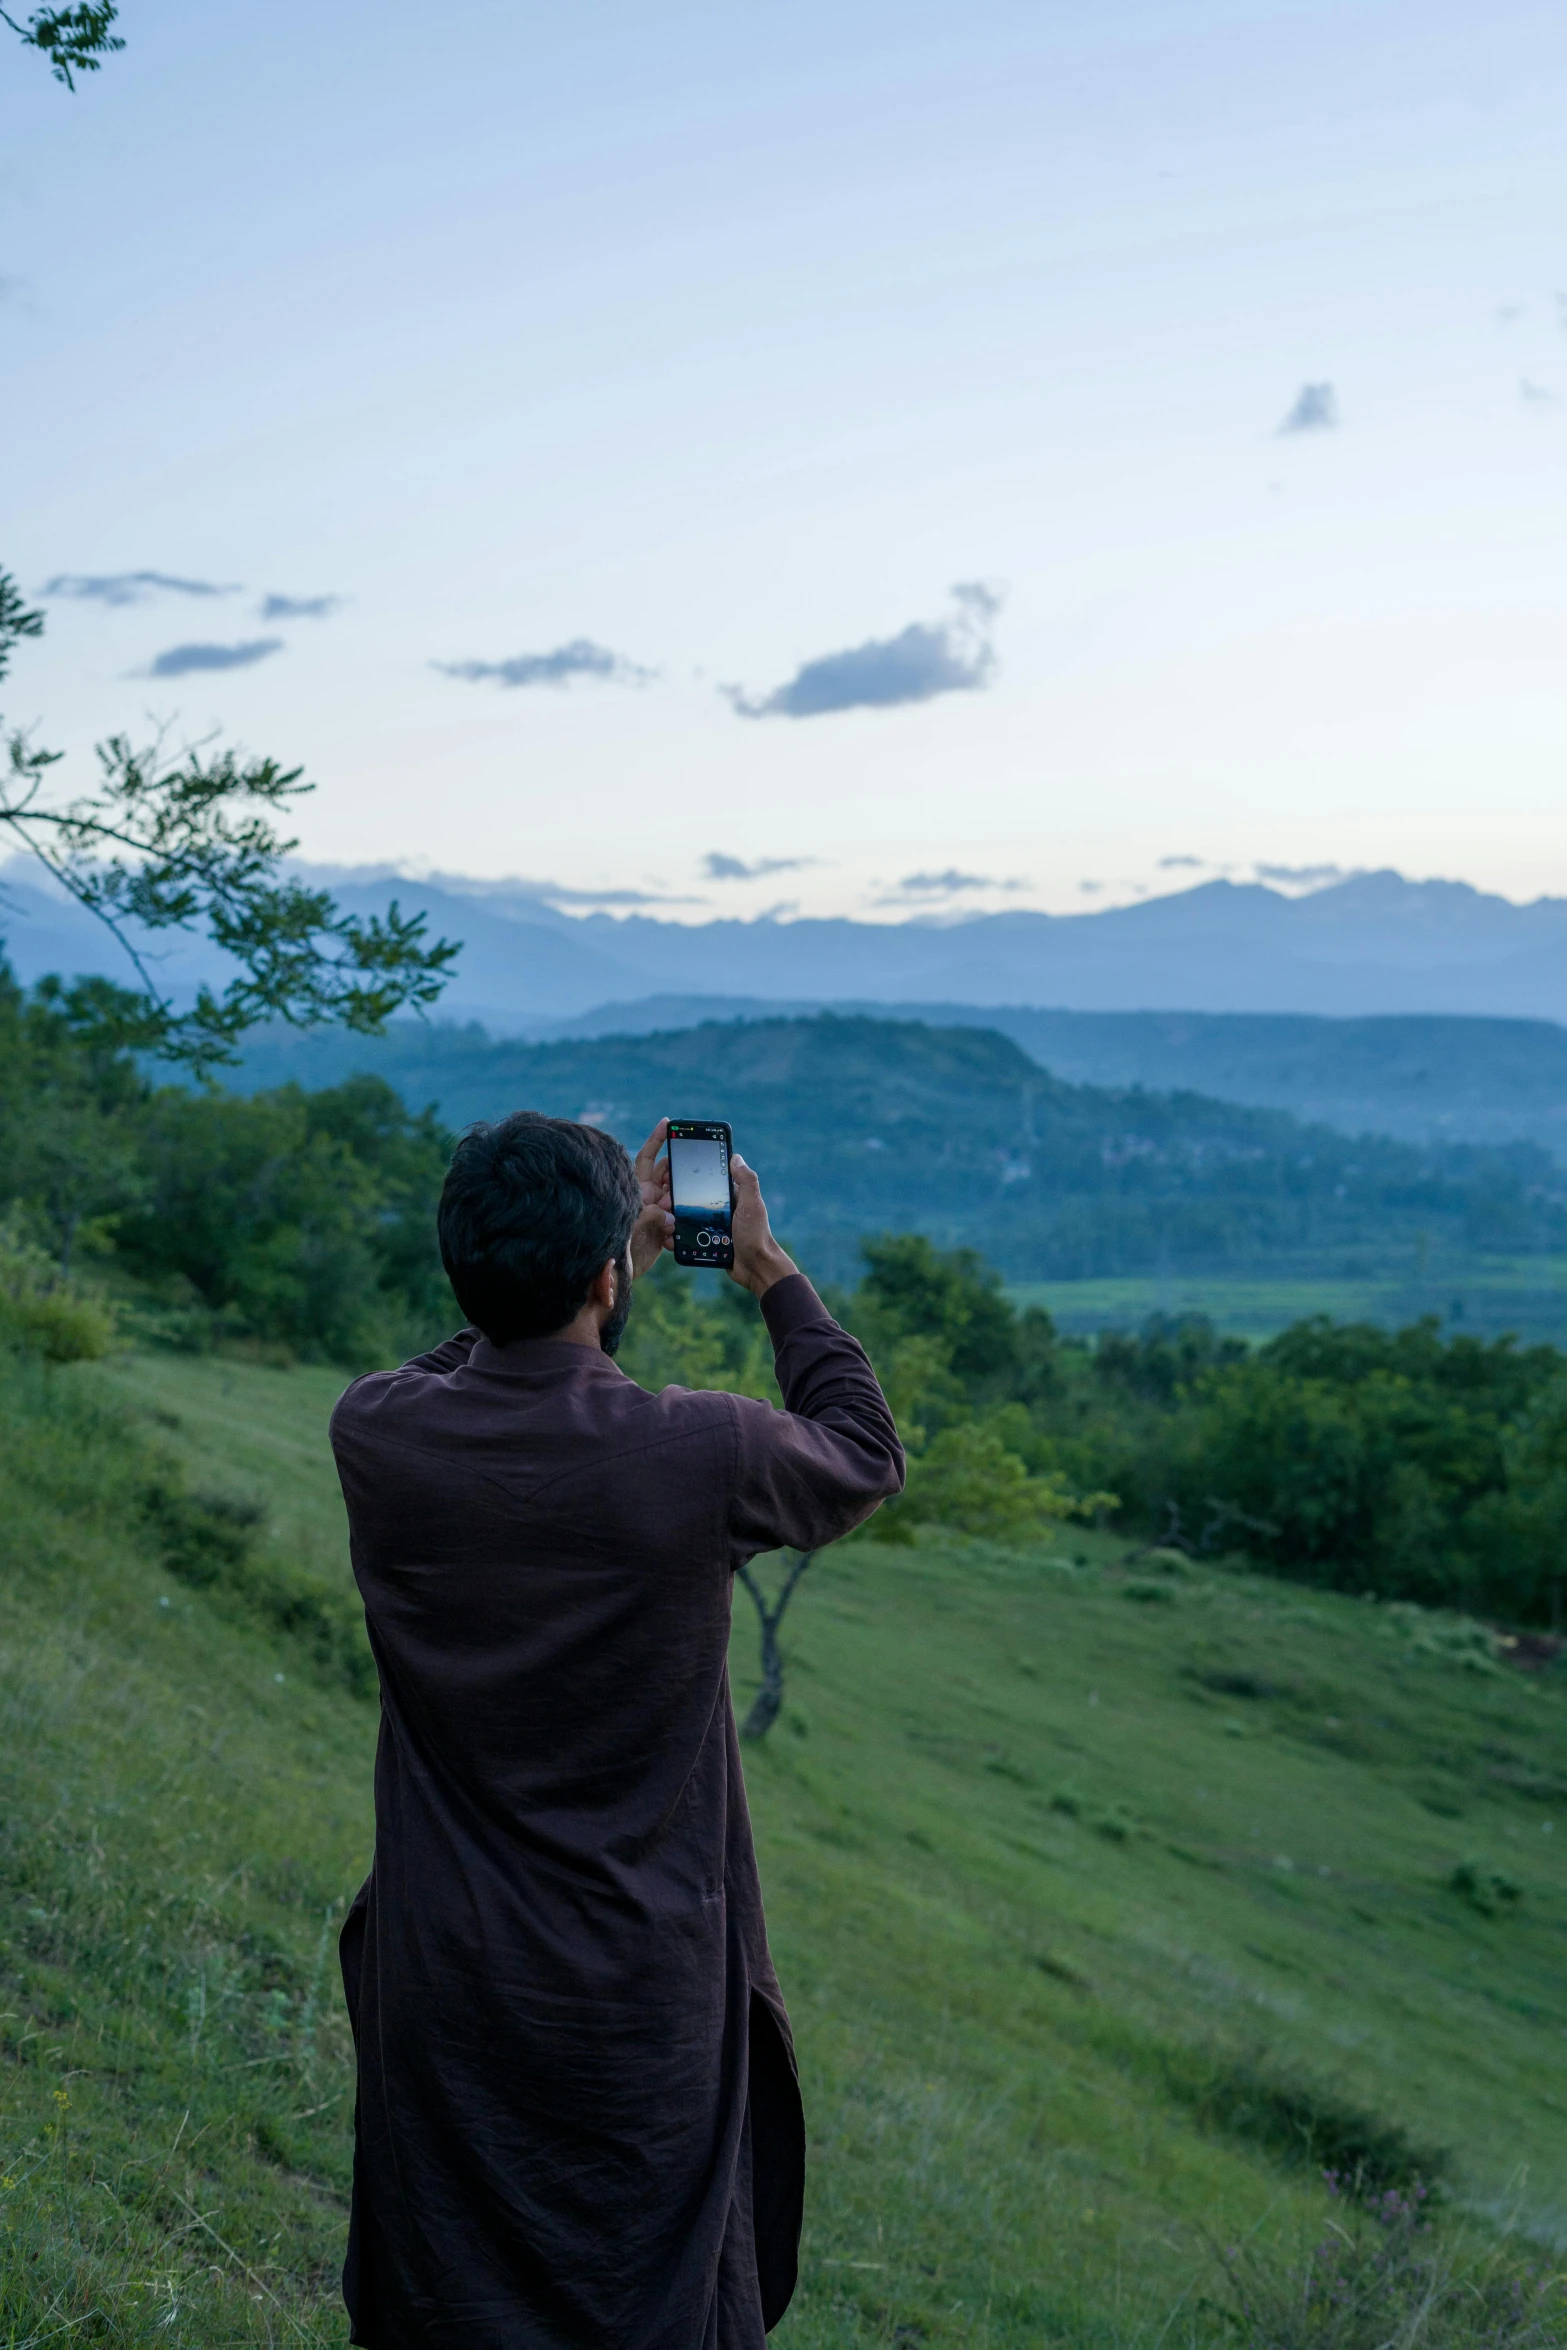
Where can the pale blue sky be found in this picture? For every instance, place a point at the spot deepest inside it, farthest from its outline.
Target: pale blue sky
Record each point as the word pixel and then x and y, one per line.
pixel 723 341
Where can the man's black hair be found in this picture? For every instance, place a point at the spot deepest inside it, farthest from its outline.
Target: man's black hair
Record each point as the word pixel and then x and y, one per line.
pixel 531 1210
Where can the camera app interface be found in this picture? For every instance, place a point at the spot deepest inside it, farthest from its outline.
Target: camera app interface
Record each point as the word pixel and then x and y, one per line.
pixel 699 1179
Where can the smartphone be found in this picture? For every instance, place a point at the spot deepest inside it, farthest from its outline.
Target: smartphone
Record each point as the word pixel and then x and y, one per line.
pixel 701 1192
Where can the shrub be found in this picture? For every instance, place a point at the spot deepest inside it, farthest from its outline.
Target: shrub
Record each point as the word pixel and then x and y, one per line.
pixel 1490 1891
pixel 42 1312
pixel 1380 2278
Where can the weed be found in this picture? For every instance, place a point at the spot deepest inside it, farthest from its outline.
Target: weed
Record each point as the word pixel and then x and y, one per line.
pixel 1269 2103
pixel 1379 2278
pixel 1490 1891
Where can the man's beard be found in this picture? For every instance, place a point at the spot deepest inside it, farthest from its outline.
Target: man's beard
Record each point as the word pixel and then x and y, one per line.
pixel 613 1327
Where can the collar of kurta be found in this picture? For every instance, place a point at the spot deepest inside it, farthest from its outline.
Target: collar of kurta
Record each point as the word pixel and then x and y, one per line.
pixel 542 1358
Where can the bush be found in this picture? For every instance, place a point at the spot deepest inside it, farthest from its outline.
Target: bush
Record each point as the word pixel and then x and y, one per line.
pixel 213 1541
pixel 1379 2278
pixel 42 1312
pixel 1300 2121
pixel 967 1479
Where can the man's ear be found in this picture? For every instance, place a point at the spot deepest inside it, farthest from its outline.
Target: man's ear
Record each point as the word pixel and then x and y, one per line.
pixel 605 1286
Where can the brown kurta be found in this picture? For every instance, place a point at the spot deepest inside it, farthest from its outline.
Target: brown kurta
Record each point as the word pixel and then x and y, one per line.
pixel 578 2118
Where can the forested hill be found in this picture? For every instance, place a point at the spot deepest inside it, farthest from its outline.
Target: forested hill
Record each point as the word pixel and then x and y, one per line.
pixel 859 1124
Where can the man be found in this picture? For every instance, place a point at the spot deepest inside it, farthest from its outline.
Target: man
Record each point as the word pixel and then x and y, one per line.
pixel 578 2119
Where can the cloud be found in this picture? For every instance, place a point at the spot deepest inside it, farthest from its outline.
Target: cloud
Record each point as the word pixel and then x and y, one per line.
pixel 951 883
pixel 581 658
pixel 1536 394
pixel 1090 889
pixel 1192 865
pixel 130 587
pixel 925 659
pixel 612 897
pixel 1302 876
pixel 182 660
pixel 944 884
pixel 298 607
pixel 717 867
pixel 1315 410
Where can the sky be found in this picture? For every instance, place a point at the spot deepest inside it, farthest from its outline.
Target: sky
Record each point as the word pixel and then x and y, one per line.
pixel 853 459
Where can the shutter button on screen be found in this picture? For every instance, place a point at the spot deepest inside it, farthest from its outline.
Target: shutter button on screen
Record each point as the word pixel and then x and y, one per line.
pixel 704 1240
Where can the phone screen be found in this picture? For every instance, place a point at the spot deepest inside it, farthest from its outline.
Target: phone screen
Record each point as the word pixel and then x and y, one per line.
pixel 699 1176
pixel 699 1194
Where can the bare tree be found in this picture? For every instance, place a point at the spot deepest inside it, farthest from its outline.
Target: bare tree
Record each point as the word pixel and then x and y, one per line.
pixel 769 1698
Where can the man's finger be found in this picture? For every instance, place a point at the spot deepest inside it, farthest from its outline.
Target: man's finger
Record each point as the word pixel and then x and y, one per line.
pixel 650 1150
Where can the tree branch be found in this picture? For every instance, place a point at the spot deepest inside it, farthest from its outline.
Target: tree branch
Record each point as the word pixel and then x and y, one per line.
pixel 75 40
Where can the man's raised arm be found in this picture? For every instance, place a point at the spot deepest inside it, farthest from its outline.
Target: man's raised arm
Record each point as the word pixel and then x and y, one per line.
pixel 820 1467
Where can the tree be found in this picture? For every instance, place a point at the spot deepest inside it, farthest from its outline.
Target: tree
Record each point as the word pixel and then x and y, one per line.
pixel 75 40
pixel 769 1698
pixel 192 843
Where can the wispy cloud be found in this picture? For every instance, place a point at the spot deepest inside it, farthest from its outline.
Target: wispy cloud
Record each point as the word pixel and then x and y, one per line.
pixel 131 587
pixel 717 867
pixel 1192 865
pixel 1302 876
pixel 614 897
pixel 298 607
pixel 1315 410
pixel 949 884
pixel 925 659
pixel 507 888
pixel 184 660
pixel 1536 395
pixel 581 658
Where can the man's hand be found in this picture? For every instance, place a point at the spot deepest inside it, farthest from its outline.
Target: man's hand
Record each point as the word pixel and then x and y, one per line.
pixel 759 1261
pixel 654 1229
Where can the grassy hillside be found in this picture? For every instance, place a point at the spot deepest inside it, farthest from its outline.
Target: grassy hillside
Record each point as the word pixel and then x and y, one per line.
pixel 1109 1903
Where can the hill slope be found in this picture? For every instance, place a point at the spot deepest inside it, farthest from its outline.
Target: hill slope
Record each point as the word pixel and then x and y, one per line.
pixel 1094 1910
pixel 861 1124
pixel 1420 1079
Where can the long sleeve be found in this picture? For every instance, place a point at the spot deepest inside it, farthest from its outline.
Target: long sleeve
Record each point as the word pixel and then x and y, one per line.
pixel 815 1470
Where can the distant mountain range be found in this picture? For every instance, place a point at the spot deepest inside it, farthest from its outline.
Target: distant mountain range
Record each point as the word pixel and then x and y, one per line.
pixel 1374 944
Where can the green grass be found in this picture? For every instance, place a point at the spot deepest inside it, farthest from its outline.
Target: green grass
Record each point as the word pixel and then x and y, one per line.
pixel 1492 1295
pixel 1107 1907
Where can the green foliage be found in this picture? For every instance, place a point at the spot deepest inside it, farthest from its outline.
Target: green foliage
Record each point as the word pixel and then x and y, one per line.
pixel 1299 2118
pixel 1378 2276
pixel 868 1126
pixel 74 40
pixel 967 1479
pixel 685 1332
pixel 303 1219
pixel 1493 1892
pixel 44 1313
pixel 914 1290
pixel 1375 1460
pixel 192 843
pixel 300 1221
pixel 213 1541
pixel 1166 1358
